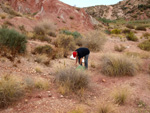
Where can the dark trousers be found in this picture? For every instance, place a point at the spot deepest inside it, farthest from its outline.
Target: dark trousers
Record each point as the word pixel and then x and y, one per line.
pixel 85 61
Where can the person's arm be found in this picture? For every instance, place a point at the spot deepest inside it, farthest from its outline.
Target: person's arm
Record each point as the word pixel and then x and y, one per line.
pixel 80 61
pixel 76 60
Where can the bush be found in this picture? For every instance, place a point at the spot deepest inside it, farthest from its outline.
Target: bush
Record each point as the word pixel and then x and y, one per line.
pixel 142 28
pixel 43 27
pixel 42 59
pixel 145 45
pixel 131 36
pixel 94 41
pixel 130 26
pixel 119 48
pixel 106 108
pixel 115 65
pixel 41 38
pixel 107 32
pixel 11 90
pixel 12 40
pixel 65 41
pixel 53 34
pixel 115 31
pixel 47 49
pixel 120 96
pixel 146 35
pixel 60 53
pixel 125 31
pixel 74 34
pixel 41 84
pixel 36 83
pixel 72 80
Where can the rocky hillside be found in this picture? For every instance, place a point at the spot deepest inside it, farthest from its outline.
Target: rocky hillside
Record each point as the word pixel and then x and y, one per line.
pixel 63 15
pixel 127 9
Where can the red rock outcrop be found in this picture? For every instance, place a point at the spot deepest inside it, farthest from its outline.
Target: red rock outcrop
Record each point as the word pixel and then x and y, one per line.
pixel 63 15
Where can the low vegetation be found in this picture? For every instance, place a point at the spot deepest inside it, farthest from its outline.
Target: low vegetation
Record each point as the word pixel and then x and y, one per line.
pixel 44 27
pixel 13 41
pixel 106 108
pixel 65 41
pixel 11 90
pixel 145 45
pixel 146 35
pixel 142 28
pixel 46 49
pixel 131 36
pixel 116 31
pixel 71 80
pixel 120 96
pixel 75 34
pixel 120 48
pixel 118 65
pixel 94 41
pixel 130 26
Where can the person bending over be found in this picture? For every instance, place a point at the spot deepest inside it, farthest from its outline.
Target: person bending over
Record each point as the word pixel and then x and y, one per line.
pixel 79 54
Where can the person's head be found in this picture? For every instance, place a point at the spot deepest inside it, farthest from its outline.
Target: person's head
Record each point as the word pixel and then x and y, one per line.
pixel 74 54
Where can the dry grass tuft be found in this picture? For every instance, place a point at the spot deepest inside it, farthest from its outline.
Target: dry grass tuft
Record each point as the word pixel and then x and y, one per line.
pixel 11 89
pixel 94 41
pixel 41 83
pixel 120 96
pixel 106 108
pixel 44 27
pixel 120 48
pixel 71 80
pixel 66 42
pixel 119 65
pixel 145 45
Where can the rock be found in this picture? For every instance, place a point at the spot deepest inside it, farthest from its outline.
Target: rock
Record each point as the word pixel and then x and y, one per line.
pixel 26 100
pixel 103 80
pixel 39 96
pixel 49 95
pixel 61 96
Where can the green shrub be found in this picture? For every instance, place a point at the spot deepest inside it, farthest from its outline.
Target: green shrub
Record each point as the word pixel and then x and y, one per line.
pixel 65 41
pixel 11 89
pixel 94 41
pixel 145 45
pixel 74 34
pixel 107 32
pixel 116 31
pixel 104 20
pixel 142 28
pixel 119 48
pixel 131 36
pixel 130 26
pixel 72 80
pixel 12 40
pixel 47 49
pixel 115 65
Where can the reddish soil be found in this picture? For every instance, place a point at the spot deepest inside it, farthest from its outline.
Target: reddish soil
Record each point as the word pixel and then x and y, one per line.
pixel 101 86
pixel 63 15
